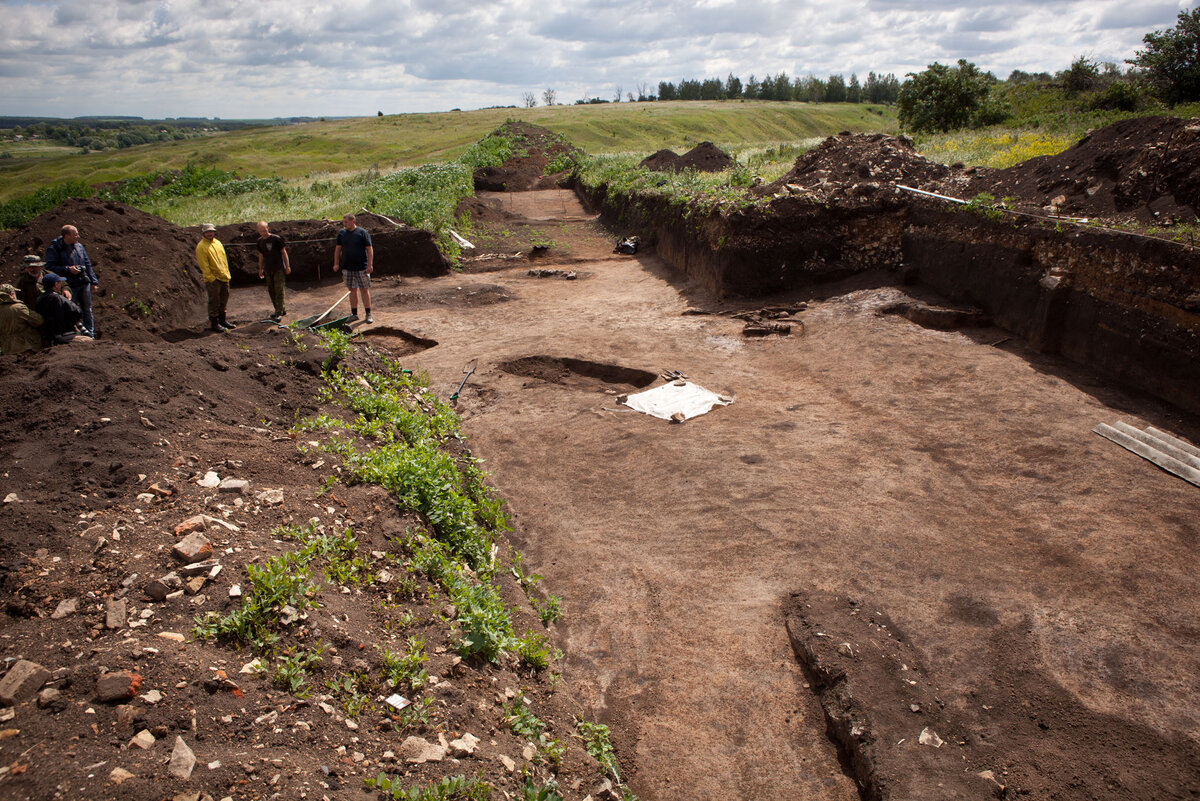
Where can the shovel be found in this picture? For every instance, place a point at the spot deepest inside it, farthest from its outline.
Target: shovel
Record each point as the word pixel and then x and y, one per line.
pixel 470 368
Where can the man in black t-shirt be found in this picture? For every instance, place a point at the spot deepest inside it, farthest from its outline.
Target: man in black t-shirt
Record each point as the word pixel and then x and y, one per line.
pixel 355 257
pixel 274 264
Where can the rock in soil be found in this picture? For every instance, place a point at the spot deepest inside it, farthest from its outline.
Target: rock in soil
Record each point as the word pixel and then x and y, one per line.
pixel 182 760
pixel 119 686
pixel 23 680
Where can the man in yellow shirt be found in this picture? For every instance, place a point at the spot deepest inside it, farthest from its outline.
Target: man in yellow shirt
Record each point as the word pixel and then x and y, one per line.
pixel 214 266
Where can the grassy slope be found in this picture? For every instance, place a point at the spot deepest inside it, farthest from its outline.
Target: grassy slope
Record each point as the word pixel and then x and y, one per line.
pixel 409 139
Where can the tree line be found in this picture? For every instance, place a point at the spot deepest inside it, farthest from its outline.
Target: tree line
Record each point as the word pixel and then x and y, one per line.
pixel 834 89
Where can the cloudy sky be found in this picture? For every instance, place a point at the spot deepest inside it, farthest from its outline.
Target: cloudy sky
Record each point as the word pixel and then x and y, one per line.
pixel 266 58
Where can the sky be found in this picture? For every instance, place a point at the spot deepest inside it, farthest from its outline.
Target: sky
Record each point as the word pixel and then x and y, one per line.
pixel 280 58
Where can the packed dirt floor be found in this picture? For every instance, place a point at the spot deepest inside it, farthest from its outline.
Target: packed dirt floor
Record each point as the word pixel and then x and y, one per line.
pixel 945 484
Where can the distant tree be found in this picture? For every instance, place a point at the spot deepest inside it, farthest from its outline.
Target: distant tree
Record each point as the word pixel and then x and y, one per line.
pixel 782 88
pixel 946 98
pixel 1171 59
pixel 666 91
pixel 629 98
pixel 751 89
pixel 814 89
pixel 617 95
pixel 835 89
pixel 549 97
pixel 643 90
pixel 1082 76
pixel 378 113
pixel 689 89
pixel 712 89
pixel 733 86
pixel 853 90
pixel 529 100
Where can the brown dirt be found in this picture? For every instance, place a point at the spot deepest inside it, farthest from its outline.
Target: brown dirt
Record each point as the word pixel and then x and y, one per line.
pixel 854 166
pixel 92 427
pixel 525 169
pixel 704 157
pixel 851 463
pixel 936 504
pixel 138 257
pixel 1147 169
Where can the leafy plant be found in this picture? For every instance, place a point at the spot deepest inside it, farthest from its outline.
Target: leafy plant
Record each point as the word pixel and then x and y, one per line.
pixel 534 650
pixel 407 670
pixel 520 719
pixel 549 610
pixel 353 691
pixel 597 742
pixel 531 792
pixel 136 307
pixel 450 788
pixel 291 671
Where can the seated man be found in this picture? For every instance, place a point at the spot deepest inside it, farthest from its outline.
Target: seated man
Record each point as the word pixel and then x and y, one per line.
pixel 29 282
pixel 20 328
pixel 59 312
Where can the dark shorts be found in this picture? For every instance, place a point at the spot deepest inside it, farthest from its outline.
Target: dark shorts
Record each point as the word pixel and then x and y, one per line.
pixel 357 279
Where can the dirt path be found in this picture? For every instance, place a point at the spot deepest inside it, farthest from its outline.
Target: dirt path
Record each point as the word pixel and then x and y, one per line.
pixel 955 487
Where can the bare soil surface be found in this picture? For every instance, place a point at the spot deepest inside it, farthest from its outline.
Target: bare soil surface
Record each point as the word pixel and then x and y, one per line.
pixel 1045 581
pixel 704 157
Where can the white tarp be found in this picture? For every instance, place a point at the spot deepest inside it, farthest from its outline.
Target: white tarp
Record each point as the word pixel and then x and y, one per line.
pixel 677 398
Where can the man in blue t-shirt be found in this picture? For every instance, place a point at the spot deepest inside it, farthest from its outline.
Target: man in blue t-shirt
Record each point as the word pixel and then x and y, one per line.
pixel 355 257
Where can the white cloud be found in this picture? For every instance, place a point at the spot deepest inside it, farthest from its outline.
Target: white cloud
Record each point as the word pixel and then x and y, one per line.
pixel 311 57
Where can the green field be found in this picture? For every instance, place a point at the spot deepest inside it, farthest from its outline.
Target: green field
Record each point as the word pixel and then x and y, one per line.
pixel 386 143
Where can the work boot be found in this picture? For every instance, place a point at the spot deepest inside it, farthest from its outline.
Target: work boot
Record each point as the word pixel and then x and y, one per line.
pixel 215 325
pixel 228 326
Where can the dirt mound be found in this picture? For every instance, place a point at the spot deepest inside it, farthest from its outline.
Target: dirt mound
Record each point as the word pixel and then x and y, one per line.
pixel 704 157
pixel 662 161
pixel 1146 168
pixel 483 211
pixel 399 250
pixel 534 148
pixel 92 415
pixel 862 165
pixel 149 281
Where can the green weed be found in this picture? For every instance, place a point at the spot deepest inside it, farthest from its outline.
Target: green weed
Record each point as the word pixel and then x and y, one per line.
pixel 596 741
pixel 407 670
pixel 450 788
pixel 291 671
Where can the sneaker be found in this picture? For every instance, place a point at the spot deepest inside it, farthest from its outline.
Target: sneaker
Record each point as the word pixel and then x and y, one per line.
pixel 353 316
pixel 369 319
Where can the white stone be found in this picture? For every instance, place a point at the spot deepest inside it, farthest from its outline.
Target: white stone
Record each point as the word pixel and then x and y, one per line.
pixel 182 760
pixel 210 481
pixel 464 746
pixel 415 750
pixel 929 737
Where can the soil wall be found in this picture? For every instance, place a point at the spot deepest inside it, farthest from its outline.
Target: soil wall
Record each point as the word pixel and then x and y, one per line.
pixel 796 243
pixel 1127 306
pixel 1122 304
pixel 310 243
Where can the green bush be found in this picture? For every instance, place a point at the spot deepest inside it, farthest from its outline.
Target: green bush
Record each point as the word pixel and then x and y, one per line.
pixel 20 210
pixel 946 98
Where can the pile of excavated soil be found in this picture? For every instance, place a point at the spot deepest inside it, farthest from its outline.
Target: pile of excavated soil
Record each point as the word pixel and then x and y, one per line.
pixel 1146 168
pixel 535 147
pixel 704 157
pixel 862 165
pixel 144 263
pixel 399 249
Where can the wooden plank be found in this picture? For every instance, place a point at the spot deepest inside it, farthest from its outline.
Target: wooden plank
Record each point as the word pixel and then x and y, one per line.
pixel 1159 444
pixel 1173 466
pixel 1176 441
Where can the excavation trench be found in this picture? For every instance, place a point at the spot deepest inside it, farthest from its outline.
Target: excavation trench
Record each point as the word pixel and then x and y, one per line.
pixel 1040 580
